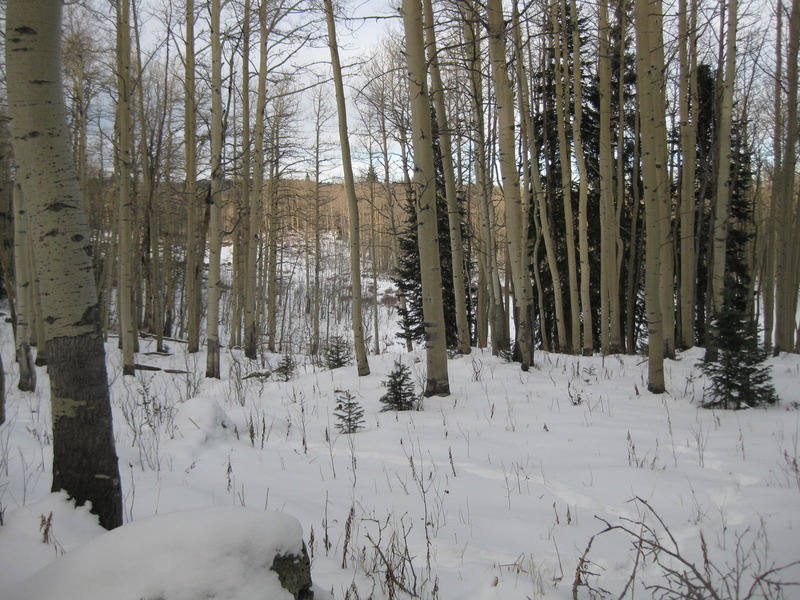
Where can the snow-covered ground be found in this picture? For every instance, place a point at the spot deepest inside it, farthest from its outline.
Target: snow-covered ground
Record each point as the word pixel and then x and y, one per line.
pixel 492 492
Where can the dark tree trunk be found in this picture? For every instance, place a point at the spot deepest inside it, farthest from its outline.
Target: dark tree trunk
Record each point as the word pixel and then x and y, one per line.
pixel 84 457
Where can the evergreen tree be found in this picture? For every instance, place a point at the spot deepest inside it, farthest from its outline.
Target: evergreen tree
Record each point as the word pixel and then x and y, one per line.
pixel 349 413
pixel 545 136
pixel 400 394
pixel 286 367
pixel 338 353
pixel 741 207
pixel 408 278
pixel 738 375
pixel 738 378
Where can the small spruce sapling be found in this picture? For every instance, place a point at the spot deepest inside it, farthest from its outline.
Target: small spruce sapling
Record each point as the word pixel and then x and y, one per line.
pixel 286 367
pixel 349 413
pixel 400 393
pixel 738 377
pixel 338 353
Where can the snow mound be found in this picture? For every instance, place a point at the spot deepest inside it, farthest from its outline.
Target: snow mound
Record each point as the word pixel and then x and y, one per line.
pixel 221 553
pixel 201 420
pixel 33 535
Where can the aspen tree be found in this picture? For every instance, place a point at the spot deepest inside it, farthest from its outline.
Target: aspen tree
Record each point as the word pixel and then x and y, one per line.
pixel 191 276
pixel 562 61
pixel 373 241
pixel 769 280
pixel 272 224
pixel 215 232
pixel 649 86
pixel 145 191
pixel 631 284
pixel 531 186
pixel 280 213
pixel 483 180
pixel 722 194
pixel 84 458
pixel 37 329
pixel 636 247
pixel 7 261
pixel 609 280
pixel 22 276
pixel 78 49
pixel 7 225
pixel 583 189
pixel 687 106
pixel 381 87
pixel 168 303
pixel 383 125
pixel 362 365
pixel 321 116
pixel 787 258
pixel 125 290
pixel 516 245
pixel 250 199
pixel 662 190
pixel 445 146
pixel 240 145
pixel 252 286
pixel 150 156
pixel 541 212
pixel 424 190
pixel 107 276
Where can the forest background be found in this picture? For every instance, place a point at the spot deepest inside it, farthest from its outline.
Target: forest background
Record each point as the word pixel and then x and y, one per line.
pixel 586 179
pixel 555 165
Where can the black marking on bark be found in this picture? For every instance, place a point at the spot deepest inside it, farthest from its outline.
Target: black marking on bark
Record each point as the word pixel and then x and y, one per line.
pixel 51 233
pixel 58 206
pixel 50 320
pixel 40 81
pixel 77 237
pixel 91 316
pixel 30 135
pixel 89 250
pixel 25 30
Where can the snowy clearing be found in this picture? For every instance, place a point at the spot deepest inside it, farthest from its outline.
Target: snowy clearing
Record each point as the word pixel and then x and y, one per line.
pixel 492 492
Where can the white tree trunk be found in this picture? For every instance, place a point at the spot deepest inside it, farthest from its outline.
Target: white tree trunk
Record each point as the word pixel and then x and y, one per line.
pixel 215 233
pixel 483 183
pixel 649 86
pixel 22 276
pixel 425 198
pixel 786 263
pixel 190 189
pixel 583 191
pixel 362 365
pixel 125 310
pixel 562 61
pixel 687 98
pixel 84 458
pixel 515 242
pixel 453 214
pixel 722 194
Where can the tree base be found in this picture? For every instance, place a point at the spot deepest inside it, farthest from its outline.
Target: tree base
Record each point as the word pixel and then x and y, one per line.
pixel 212 360
pixel 27 372
pixel 251 343
pixel 436 387
pixel 84 458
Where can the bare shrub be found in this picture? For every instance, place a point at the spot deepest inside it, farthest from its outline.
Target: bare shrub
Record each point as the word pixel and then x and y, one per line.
pixel 749 574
